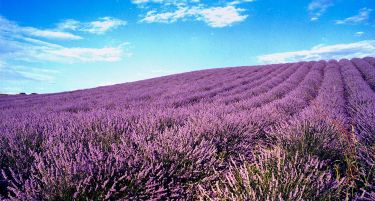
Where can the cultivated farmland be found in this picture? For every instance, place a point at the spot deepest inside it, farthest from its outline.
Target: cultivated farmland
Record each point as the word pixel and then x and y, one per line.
pixel 295 131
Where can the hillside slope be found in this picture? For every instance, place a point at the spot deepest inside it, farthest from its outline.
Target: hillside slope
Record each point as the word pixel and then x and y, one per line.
pixel 176 136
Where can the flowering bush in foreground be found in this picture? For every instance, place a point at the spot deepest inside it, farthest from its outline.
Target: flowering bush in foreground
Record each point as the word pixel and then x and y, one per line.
pixel 275 175
pixel 305 164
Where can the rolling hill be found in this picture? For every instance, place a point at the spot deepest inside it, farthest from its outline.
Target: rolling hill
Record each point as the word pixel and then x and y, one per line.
pixel 288 131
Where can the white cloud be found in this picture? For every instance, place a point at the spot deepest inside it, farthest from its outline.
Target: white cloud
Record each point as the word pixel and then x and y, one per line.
pixel 326 52
pixel 26 44
pixel 362 16
pixel 221 16
pixel 140 1
pixel 34 51
pixel 26 73
pixel 217 17
pixel 36 74
pixel 317 8
pixel 166 2
pixel 9 27
pixel 359 33
pixel 69 24
pixel 99 26
pixel 103 25
pixel 50 34
pixel 167 17
pixel 184 2
pixel 24 51
pixel 236 2
pixel 147 1
pixel 108 54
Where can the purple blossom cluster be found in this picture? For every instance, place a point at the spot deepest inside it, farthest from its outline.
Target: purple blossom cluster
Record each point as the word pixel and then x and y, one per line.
pixel 294 131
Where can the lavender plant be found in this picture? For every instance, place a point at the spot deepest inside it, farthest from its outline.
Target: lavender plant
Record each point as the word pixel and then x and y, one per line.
pixel 285 131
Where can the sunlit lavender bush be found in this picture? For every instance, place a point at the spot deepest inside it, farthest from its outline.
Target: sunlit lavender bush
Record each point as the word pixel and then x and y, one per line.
pixel 294 131
pixel 275 175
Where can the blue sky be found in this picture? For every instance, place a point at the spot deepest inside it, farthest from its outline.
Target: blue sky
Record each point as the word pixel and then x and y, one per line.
pixel 51 46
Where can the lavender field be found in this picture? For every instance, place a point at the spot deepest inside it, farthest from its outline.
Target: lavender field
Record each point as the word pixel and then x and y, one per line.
pixel 294 131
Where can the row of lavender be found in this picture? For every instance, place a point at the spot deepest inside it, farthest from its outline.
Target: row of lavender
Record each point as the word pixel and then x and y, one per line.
pixel 176 137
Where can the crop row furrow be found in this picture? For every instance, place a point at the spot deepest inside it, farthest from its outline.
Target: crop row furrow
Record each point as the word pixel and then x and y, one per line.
pixel 361 100
pixel 277 92
pixel 367 70
pixel 370 60
pixel 283 109
pixel 209 95
pixel 330 102
pixel 259 89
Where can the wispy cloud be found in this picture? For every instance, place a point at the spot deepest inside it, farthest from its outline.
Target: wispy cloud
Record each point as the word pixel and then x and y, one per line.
pixel 236 2
pixel 216 17
pixel 98 26
pixel 359 33
pixel 184 2
pixel 69 24
pixel 317 8
pixel 19 43
pixel 33 50
pixel 362 16
pixel 326 52
pixel 78 54
pixel 9 27
pixel 166 17
pixel 222 14
pixel 152 1
pixel 166 2
pixel 104 24
pixel 17 72
pixel 50 34
pixel 25 50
